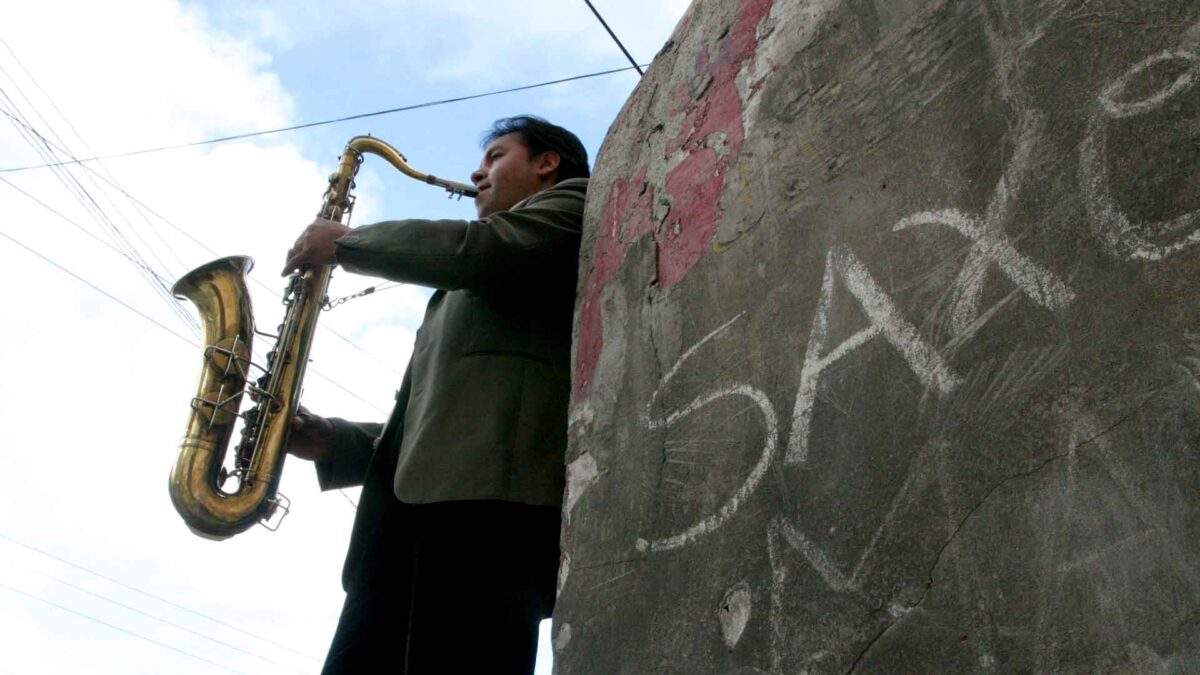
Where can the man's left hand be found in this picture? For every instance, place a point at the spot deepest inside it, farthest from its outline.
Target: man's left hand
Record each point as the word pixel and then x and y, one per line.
pixel 315 245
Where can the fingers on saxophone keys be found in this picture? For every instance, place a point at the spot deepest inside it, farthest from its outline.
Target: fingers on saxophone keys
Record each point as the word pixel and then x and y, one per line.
pixel 293 260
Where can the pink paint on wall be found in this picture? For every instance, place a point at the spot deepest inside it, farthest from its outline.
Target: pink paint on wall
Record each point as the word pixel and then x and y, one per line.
pixel 626 217
pixel 711 135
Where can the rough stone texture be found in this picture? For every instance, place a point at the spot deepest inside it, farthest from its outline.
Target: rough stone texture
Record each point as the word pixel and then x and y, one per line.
pixel 887 345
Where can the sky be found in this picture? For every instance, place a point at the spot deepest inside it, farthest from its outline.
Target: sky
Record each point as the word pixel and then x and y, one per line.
pixel 98 574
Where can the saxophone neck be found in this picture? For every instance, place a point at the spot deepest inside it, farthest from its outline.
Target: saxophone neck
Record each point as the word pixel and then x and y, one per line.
pixel 374 146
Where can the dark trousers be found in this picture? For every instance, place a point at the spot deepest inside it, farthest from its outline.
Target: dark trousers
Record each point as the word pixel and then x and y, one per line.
pixel 459 587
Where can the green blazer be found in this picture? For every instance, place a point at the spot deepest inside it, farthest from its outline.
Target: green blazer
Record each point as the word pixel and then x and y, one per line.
pixel 482 410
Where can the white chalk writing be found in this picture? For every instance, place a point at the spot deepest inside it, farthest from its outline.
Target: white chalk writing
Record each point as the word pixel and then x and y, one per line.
pixel 885 320
pixel 992 245
pixel 1121 235
pixel 770 440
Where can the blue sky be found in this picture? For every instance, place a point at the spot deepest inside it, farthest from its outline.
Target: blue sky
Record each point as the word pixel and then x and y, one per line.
pixel 94 396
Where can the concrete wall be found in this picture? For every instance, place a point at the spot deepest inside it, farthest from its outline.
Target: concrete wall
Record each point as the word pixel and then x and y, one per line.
pixel 888 342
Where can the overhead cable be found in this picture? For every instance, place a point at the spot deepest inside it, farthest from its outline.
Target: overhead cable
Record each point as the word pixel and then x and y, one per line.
pixel 187 340
pixel 76 225
pixel 260 283
pixel 159 619
pixel 130 254
pixel 141 264
pixel 151 595
pixel 118 628
pixel 78 135
pixel 346 389
pixel 62 142
pixel 307 125
pixel 147 317
pixel 49 149
pixel 143 206
pixel 347 497
pixel 614 37
pixel 43 147
pixel 103 292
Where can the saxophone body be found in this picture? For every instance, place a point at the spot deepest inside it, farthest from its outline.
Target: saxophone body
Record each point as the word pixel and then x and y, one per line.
pixel 227 375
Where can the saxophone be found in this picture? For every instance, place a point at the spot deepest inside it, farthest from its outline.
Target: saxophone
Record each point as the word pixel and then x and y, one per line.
pixel 218 290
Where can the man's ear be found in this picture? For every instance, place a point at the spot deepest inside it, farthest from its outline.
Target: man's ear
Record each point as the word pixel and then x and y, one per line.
pixel 547 164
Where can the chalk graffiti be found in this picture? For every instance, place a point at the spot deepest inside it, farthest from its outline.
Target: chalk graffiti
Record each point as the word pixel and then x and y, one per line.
pixel 991 244
pixel 730 507
pixel 1120 235
pixel 783 535
pixel 1118 109
pixel 778 583
pixel 886 321
pixel 709 138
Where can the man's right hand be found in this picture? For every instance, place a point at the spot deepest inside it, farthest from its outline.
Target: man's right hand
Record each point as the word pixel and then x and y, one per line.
pixel 310 437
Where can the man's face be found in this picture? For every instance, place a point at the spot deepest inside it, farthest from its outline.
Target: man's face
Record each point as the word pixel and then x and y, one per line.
pixel 507 174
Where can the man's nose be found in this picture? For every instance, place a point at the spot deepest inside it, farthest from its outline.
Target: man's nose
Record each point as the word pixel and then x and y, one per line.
pixel 477 175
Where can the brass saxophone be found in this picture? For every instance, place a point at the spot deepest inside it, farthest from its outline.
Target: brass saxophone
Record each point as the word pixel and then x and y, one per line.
pixel 218 289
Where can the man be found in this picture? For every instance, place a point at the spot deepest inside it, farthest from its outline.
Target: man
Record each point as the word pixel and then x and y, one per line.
pixel 454 553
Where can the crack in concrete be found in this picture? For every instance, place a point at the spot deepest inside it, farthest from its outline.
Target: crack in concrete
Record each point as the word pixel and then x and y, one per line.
pixel 1123 419
pixel 949 540
pixel 974 509
pixel 875 612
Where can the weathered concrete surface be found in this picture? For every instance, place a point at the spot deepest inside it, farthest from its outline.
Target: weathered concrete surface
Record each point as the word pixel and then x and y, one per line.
pixel 888 344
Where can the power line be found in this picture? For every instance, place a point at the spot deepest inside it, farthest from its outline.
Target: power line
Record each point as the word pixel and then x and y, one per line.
pixel 614 37
pixel 151 319
pixel 103 292
pixel 118 628
pixel 151 595
pixel 122 605
pixel 307 125
pixel 27 123
pixel 206 247
pixel 77 226
pixel 160 325
pixel 347 390
pixel 143 206
pixel 78 135
pixel 148 318
pixel 89 203
pixel 347 498
pixel 81 194
pixel 127 306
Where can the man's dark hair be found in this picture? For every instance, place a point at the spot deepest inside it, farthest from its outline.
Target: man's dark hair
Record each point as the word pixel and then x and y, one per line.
pixel 540 136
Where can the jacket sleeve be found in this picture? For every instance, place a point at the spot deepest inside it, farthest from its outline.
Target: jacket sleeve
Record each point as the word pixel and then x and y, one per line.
pixel 352 443
pixel 508 249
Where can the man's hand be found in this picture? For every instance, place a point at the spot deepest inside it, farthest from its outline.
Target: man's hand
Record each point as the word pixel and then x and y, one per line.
pixel 310 437
pixel 315 245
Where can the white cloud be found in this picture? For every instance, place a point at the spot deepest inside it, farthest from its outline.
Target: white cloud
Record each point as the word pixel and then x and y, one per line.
pixel 114 68
pixel 94 398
